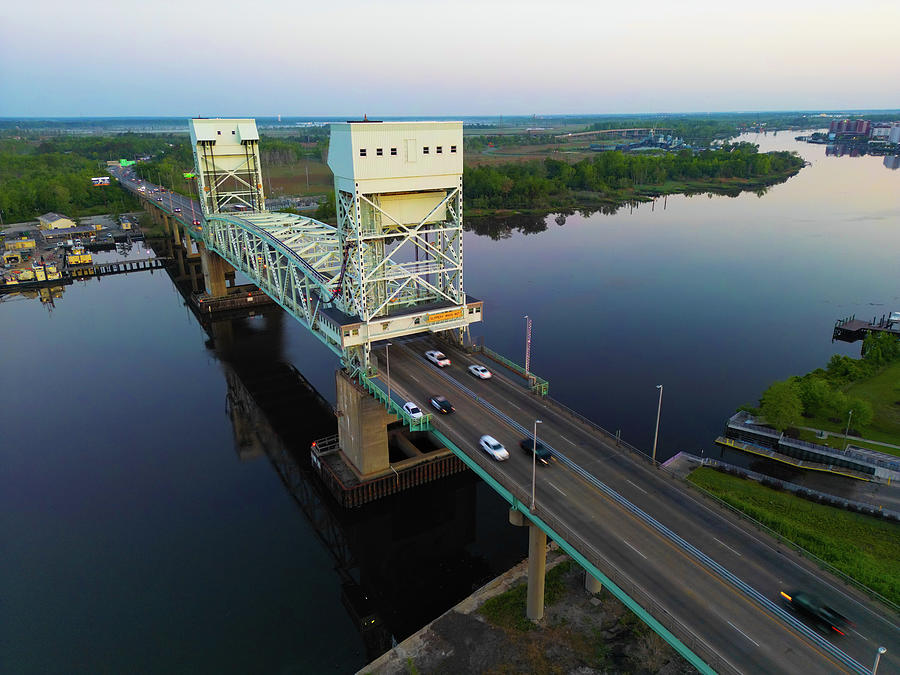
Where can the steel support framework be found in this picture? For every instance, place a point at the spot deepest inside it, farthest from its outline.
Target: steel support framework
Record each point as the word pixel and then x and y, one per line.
pixel 378 283
pixel 296 261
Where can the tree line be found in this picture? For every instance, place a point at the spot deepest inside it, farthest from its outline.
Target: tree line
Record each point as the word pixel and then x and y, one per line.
pixel 553 183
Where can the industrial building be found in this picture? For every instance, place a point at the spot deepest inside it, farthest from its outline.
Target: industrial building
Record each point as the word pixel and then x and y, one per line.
pixel 54 221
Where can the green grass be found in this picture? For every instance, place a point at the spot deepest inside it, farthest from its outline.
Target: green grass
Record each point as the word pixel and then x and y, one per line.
pixel 882 391
pixel 862 547
pixel 507 610
pixel 838 443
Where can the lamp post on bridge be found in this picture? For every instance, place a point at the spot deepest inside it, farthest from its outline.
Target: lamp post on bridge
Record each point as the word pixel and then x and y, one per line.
pixel 527 345
pixel 387 356
pixel 534 461
pixel 656 433
pixel 881 650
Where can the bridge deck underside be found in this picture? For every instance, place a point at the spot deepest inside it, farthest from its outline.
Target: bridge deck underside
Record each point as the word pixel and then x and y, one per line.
pixel 745 634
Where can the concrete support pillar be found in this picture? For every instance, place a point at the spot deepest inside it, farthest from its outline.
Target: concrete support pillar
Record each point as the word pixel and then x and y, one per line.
pixel 213 273
pixel 187 241
pixel 362 426
pixel 176 233
pixel 592 584
pixel 537 568
pixel 537 564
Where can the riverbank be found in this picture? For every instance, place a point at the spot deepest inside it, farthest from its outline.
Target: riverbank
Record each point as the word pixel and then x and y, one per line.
pixel 610 202
pixel 488 632
pixel 862 547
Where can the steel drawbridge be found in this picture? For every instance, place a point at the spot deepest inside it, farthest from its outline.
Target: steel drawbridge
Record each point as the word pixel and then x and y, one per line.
pixel 393 264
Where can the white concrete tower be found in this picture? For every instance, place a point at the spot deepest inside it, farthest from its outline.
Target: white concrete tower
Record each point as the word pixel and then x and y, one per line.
pixel 398 193
pixel 229 173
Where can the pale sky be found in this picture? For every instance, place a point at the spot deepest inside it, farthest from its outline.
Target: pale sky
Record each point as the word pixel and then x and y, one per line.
pixel 344 57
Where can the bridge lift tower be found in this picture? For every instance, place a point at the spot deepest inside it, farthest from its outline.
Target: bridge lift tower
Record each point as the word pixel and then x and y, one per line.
pixel 392 267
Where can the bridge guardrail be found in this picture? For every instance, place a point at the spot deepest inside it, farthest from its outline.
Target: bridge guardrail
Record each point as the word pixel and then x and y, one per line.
pixel 538 385
pixel 422 423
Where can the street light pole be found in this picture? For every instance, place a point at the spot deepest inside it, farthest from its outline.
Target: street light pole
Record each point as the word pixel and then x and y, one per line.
pixel 527 345
pixel 881 650
pixel 847 432
pixel 387 354
pixel 534 461
pixel 656 433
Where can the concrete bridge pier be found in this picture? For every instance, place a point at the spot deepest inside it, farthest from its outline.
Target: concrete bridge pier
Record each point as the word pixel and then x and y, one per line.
pixel 213 272
pixel 176 233
pixel 537 564
pixel 591 584
pixel 362 426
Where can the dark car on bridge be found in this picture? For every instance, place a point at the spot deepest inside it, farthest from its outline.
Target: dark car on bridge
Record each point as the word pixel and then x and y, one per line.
pixel 543 454
pixel 812 608
pixel 442 405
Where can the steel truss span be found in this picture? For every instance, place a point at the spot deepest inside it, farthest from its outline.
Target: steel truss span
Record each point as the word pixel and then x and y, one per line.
pixel 296 261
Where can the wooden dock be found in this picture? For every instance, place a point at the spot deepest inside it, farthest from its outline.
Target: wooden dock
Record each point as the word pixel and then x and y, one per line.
pixel 242 298
pixel 852 329
pixel 71 273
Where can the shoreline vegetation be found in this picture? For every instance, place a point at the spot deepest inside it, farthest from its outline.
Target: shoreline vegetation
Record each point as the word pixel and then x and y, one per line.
pixel 511 168
pixel 860 397
pixel 862 547
pixel 614 179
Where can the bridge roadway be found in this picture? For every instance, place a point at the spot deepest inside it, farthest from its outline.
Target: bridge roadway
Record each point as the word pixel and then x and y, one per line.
pixel 746 635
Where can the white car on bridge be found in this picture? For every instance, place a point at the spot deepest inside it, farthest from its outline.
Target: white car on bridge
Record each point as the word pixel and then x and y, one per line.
pixel 437 358
pixel 494 448
pixel 413 410
pixel 480 372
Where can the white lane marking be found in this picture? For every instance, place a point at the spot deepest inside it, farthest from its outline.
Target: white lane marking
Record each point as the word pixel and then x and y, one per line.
pixel 568 441
pixel 743 633
pixel 637 486
pixel 513 405
pixel 634 549
pixel 728 547
pixel 556 488
pixel 860 634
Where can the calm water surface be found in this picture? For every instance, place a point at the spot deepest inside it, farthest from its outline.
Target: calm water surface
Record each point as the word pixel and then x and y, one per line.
pixel 139 535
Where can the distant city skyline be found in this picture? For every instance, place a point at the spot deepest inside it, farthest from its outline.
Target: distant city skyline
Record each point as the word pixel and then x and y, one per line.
pixel 467 58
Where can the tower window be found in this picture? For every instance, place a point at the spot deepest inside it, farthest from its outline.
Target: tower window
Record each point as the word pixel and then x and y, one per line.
pixel 439 149
pixel 379 152
pixel 452 148
pixel 425 150
pixel 362 152
pixel 393 152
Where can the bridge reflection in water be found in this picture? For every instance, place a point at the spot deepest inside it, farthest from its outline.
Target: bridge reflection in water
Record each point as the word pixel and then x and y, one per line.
pixel 402 561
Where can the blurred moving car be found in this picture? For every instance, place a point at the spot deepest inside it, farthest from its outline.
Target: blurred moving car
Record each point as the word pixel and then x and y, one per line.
pixel 542 455
pixel 494 448
pixel 437 358
pixel 480 372
pixel 812 608
pixel 442 405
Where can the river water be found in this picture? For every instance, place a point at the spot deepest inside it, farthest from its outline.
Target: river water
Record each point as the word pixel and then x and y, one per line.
pixel 142 528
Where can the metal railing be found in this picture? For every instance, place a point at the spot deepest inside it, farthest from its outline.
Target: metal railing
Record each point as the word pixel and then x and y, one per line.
pixel 422 423
pixel 768 481
pixel 538 385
